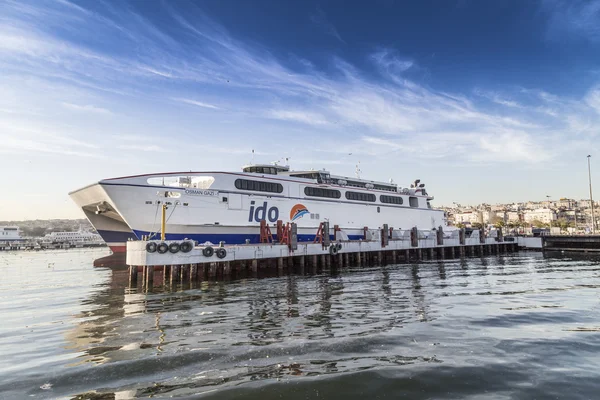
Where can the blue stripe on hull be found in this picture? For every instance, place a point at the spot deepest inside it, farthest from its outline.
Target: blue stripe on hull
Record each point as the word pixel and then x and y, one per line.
pixel 228 238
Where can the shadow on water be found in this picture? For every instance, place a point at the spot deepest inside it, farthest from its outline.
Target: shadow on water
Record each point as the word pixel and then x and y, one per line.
pixel 512 326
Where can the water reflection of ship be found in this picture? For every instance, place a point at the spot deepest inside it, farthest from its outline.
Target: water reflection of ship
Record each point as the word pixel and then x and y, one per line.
pixel 218 315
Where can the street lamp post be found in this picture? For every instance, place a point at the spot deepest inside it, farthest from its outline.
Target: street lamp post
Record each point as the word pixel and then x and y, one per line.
pixel 591 198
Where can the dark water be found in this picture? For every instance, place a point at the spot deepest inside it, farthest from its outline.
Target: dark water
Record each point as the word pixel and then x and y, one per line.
pixel 521 326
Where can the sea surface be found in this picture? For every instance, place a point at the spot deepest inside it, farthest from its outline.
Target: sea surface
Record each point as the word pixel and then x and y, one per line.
pixel 518 326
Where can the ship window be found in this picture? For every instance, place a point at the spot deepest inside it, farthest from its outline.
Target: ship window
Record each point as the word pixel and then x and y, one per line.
pixel 378 209
pixel 391 199
pixel 258 186
pixel 360 196
pixel 224 199
pixel 413 201
pixel 320 192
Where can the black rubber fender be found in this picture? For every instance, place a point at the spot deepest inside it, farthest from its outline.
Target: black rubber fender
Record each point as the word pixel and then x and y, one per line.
pixel 221 252
pixel 174 247
pixel 162 248
pixel 333 250
pixel 186 246
pixel 208 251
pixel 339 246
pixel 151 247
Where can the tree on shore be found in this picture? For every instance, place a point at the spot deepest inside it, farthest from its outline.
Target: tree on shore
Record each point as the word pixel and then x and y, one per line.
pixel 537 223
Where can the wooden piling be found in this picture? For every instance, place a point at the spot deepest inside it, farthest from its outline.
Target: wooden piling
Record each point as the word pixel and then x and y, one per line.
pixel 149 277
pixel 183 269
pixel 166 269
pixel 173 275
pixel 212 270
pixel 133 271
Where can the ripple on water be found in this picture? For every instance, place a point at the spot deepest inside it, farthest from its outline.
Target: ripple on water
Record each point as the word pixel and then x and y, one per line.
pixel 520 326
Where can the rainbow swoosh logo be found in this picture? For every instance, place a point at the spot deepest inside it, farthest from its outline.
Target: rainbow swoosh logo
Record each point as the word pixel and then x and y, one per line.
pixel 297 212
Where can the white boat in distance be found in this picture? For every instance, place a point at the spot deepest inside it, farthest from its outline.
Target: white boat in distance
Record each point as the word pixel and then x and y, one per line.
pixel 79 237
pixel 228 206
pixel 10 234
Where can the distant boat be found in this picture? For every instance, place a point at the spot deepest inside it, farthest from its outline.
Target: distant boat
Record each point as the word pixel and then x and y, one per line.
pixel 10 234
pixel 76 239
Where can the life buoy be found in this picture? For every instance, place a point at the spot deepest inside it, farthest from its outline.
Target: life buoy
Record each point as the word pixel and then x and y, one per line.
pixel 174 247
pixel 221 252
pixel 186 247
pixel 333 250
pixel 151 247
pixel 208 251
pixel 162 248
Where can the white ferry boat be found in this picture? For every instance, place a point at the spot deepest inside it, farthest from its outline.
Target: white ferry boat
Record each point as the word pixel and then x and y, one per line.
pixel 10 234
pixel 72 238
pixel 228 206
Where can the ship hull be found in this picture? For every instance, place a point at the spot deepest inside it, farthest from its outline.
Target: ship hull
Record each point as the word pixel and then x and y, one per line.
pixel 130 208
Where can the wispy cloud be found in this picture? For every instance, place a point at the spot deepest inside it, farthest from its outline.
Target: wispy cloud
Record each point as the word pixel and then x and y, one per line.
pixel 197 103
pixel 310 118
pixel 216 71
pixel 497 98
pixel 391 64
pixel 87 108
pixel 144 147
pixel 573 17
pixel 320 19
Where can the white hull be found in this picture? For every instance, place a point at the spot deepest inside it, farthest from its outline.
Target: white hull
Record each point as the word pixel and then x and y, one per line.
pixel 130 207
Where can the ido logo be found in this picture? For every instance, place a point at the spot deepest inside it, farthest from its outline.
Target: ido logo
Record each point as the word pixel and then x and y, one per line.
pixel 263 212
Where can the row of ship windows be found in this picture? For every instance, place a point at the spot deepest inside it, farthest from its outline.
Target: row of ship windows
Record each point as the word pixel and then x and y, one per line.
pixel 259 186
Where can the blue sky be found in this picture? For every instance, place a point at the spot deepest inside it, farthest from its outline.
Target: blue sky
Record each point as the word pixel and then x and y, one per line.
pixel 485 101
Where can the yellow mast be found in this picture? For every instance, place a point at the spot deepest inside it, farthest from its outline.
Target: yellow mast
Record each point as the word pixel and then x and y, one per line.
pixel 163 222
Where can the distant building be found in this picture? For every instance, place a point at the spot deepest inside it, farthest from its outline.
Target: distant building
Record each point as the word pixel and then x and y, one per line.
pixel 513 216
pixel 566 203
pixel 586 204
pixel 533 205
pixel 468 217
pixel 544 215
pixel 489 217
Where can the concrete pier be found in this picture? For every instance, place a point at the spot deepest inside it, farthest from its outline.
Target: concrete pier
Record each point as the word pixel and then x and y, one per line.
pixel 198 264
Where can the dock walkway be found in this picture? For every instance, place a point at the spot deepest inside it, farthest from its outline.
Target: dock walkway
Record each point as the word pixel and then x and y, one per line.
pixel 212 261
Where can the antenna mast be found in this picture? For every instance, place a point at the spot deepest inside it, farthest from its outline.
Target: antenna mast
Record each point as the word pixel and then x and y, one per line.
pixel 358 171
